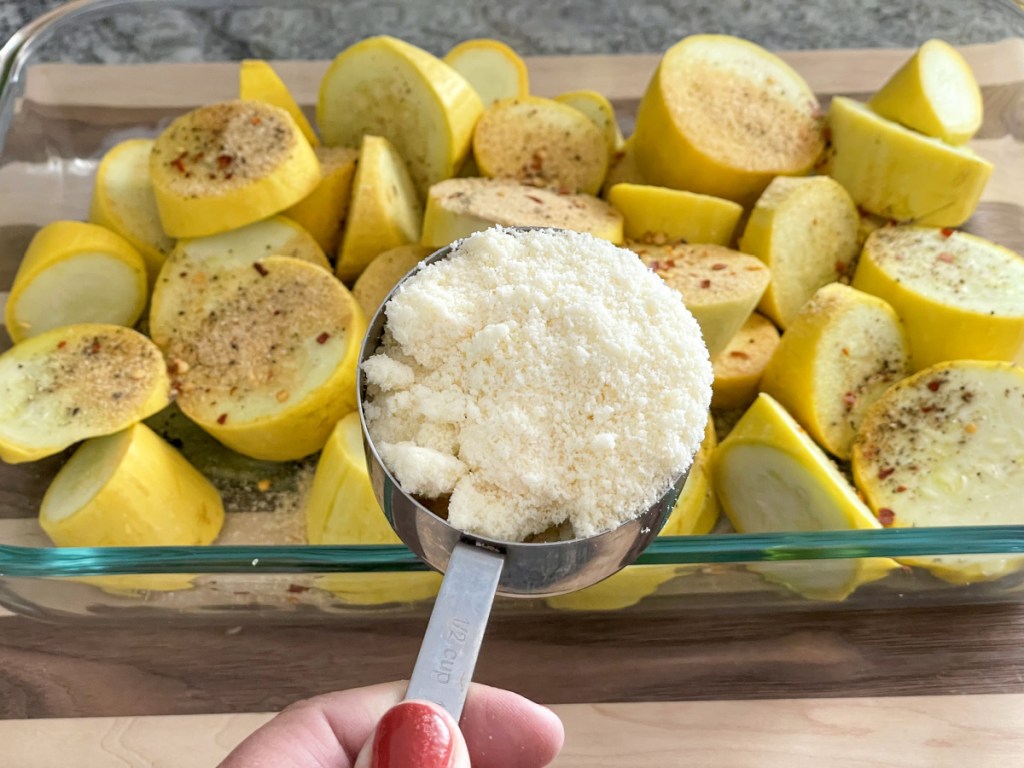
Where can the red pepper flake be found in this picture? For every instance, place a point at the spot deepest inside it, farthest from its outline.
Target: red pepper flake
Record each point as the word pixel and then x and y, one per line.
pixel 886 516
pixel 718 267
pixel 884 472
pixel 179 162
pixel 846 352
pixel 705 283
pixel 535 199
pixel 740 354
pixel 934 384
pixel 222 418
pixel 297 588
pixel 849 400
pixel 95 347
pixel 655 265
pixel 839 267
pixel 323 337
pixel 260 268
pixel 224 161
pixel 901 488
pixel 255 120
pixel 945 257
pixel 61 344
pixel 947 231
pixel 669 263
pixel 927 408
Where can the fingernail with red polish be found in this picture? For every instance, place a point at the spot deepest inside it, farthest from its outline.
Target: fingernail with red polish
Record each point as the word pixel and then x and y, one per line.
pixel 412 735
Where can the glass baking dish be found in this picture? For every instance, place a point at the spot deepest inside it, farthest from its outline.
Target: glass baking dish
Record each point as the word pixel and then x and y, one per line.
pixel 93 73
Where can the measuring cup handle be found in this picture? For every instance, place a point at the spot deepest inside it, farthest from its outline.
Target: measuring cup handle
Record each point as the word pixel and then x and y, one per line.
pixel 447 657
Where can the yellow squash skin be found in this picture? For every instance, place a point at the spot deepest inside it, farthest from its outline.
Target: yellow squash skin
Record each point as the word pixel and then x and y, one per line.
pixel 76 382
pixel 896 173
pixel 771 477
pixel 343 510
pixel 934 93
pixel 714 105
pixel 385 211
pixel 842 350
pixel 152 496
pixel 123 200
pixel 78 296
pixel 942 448
pixel 493 68
pixel 386 87
pixel 937 329
pixel 202 190
pixel 257 81
pixel 651 213
pixel 268 377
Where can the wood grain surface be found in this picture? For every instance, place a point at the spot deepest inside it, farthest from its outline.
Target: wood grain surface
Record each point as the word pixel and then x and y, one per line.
pixel 160 669
pixel 911 732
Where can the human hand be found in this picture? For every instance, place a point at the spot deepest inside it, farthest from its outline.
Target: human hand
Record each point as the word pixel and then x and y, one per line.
pixel 370 728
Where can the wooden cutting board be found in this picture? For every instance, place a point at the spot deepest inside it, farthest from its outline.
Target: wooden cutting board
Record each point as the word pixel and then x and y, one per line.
pixel 909 732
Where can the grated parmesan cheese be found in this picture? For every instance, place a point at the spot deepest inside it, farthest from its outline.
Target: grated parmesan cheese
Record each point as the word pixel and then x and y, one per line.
pixel 538 377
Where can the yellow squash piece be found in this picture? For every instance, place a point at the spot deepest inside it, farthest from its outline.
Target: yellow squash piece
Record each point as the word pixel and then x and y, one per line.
pixel 130 489
pixel 900 174
pixel 76 382
pixel 720 286
pixel 75 272
pixel 944 448
pixel 263 353
pixel 257 81
pixel 935 93
pixel 771 477
pixel 383 273
pixel 697 510
pixel 622 169
pixel 543 142
pixel 493 69
pixel 123 200
pixel 459 207
pixel 805 230
pixel 323 211
pixel 600 111
pixel 739 366
pixel 342 509
pixel 226 165
pixel 385 87
pixel 386 211
pixel 840 353
pixel 723 117
pixel 654 214
pixel 275 236
pixel 960 297
pixel 695 513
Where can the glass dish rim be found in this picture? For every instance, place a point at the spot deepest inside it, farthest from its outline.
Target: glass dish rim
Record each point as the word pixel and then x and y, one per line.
pixel 20 561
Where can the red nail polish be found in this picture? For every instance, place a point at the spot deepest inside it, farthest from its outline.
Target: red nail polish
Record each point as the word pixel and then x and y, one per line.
pixel 412 735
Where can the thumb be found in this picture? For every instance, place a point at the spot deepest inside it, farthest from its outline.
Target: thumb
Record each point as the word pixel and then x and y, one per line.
pixel 415 734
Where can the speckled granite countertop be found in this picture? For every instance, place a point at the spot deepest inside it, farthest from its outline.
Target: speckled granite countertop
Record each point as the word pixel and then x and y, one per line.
pixel 529 25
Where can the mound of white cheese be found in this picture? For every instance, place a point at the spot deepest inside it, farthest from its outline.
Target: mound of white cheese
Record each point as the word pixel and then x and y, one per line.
pixel 537 377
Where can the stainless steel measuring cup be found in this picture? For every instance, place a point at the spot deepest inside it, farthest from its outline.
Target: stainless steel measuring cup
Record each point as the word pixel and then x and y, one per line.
pixel 476 568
